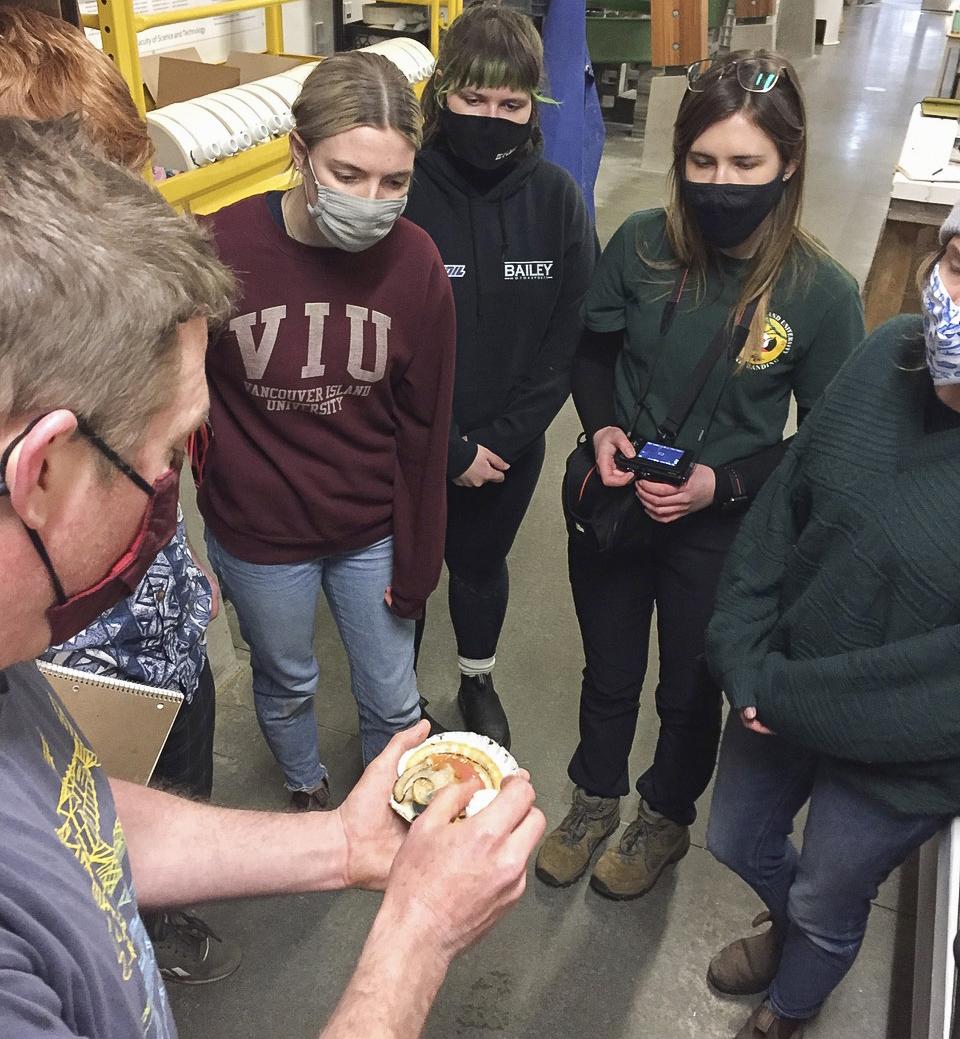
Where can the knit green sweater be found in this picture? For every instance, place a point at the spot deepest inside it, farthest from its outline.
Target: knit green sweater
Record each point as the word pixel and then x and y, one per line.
pixel 838 613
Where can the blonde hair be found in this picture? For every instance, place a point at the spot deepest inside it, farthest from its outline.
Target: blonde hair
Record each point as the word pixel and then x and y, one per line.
pixel 49 69
pixel 98 272
pixel 357 88
pixel 784 246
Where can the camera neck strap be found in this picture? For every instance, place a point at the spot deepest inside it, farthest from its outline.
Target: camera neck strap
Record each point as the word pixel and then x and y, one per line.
pixel 727 342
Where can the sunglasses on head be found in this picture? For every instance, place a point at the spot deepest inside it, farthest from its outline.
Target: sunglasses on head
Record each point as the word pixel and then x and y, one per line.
pixel 756 75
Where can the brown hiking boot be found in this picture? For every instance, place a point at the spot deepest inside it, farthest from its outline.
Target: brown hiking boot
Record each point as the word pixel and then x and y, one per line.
pixel 763 1023
pixel 566 853
pixel 648 845
pixel 748 965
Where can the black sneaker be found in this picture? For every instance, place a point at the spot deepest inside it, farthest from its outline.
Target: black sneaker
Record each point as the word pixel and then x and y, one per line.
pixel 311 800
pixel 481 708
pixel 188 951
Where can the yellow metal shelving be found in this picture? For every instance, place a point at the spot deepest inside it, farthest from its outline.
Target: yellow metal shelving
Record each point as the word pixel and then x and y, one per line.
pixel 260 168
pixel 119 24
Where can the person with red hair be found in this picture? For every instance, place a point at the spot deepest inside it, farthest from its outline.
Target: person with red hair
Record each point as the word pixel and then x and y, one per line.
pixel 48 69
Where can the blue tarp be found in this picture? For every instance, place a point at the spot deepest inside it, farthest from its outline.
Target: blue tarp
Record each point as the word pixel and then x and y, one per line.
pixel 573 131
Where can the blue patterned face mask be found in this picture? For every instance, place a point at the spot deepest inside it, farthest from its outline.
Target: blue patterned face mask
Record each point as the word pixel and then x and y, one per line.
pixel 941 327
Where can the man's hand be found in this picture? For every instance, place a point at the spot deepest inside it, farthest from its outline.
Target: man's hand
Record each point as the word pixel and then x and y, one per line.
pixel 606 443
pixel 487 467
pixel 372 829
pixel 748 716
pixel 453 879
pixel 665 503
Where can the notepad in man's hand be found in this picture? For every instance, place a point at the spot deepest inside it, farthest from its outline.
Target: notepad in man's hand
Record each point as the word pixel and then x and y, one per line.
pixel 126 723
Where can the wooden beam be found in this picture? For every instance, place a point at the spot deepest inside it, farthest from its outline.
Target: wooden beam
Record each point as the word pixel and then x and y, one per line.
pixel 678 32
pixel 890 288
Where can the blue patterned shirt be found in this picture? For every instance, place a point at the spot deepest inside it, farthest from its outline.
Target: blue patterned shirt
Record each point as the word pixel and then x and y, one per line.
pixel 156 636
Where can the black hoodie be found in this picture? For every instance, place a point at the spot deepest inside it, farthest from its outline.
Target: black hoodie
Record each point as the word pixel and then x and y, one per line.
pixel 519 251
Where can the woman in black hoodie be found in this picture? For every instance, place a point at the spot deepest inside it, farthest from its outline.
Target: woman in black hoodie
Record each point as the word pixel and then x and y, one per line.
pixel 519 248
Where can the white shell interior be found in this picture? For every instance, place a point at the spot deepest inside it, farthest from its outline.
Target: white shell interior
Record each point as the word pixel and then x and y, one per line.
pixel 503 759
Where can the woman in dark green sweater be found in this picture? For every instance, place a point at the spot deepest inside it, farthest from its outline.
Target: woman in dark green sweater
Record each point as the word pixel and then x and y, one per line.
pixel 836 638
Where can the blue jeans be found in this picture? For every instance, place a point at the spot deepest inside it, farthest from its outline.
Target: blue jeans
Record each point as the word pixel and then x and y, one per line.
pixel 276 606
pixel 820 896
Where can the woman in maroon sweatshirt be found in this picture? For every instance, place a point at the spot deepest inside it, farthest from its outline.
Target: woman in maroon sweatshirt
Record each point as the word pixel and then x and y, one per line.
pixel 330 399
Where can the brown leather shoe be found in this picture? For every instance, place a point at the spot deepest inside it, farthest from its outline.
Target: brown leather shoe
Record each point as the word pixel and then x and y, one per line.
pixel 763 1023
pixel 648 845
pixel 748 965
pixel 566 853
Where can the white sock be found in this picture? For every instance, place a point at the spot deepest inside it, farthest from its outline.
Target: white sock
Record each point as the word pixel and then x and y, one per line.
pixel 473 668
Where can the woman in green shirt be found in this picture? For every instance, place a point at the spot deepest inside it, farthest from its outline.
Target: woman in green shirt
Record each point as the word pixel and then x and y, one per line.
pixel 836 638
pixel 727 250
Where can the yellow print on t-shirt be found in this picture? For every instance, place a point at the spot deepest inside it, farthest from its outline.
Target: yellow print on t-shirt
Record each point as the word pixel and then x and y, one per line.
pixel 80 833
pixel 777 341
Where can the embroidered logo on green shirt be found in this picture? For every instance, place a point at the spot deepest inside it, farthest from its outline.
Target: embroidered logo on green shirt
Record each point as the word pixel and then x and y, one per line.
pixel 777 341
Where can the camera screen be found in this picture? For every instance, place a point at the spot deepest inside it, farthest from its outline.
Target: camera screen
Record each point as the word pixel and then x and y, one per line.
pixel 652 452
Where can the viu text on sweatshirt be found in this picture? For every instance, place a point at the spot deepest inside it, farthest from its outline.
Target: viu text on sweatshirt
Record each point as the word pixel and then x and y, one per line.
pixel 330 395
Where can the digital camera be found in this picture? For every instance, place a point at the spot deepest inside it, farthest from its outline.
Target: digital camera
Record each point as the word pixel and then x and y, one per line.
pixel 658 462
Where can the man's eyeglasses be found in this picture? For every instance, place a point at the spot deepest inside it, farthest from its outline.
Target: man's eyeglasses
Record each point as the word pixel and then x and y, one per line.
pixel 756 75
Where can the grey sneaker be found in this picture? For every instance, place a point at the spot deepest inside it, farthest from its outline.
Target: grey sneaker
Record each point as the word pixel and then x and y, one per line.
pixel 566 853
pixel 188 951
pixel 648 845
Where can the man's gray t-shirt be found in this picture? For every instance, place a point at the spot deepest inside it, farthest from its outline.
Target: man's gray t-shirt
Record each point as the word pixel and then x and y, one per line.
pixel 75 959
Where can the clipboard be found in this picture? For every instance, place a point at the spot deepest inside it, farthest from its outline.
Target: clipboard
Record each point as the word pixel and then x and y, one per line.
pixel 126 723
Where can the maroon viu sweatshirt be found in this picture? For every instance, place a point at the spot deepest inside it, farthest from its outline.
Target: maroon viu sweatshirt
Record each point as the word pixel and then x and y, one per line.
pixel 330 397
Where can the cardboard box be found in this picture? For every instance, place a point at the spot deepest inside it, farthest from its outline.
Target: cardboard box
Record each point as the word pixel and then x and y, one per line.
pixel 182 75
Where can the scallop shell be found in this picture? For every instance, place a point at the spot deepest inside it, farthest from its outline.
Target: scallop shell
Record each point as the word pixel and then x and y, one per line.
pixel 439 761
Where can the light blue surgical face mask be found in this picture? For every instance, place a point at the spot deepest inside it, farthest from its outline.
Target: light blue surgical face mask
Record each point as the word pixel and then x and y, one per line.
pixel 941 328
pixel 350 223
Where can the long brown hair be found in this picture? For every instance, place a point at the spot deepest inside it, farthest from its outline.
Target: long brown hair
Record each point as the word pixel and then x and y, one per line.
pixel 487 46
pixel 783 246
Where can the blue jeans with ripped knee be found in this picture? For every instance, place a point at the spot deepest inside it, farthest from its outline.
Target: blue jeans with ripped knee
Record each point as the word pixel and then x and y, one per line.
pixel 820 895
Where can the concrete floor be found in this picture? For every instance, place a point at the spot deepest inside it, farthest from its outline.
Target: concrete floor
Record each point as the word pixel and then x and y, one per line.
pixel 568 963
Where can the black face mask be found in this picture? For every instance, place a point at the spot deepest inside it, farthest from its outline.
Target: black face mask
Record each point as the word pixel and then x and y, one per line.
pixel 481 141
pixel 727 214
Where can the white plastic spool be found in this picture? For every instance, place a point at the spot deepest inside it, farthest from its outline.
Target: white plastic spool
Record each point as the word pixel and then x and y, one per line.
pixel 176 146
pixel 276 111
pixel 252 115
pixel 236 126
pixel 300 72
pixel 285 86
pixel 194 133
pixel 204 126
pixel 422 58
pixel 413 59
